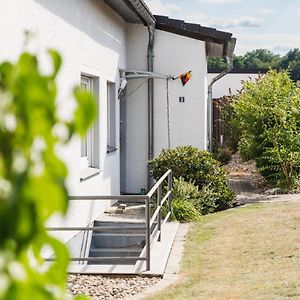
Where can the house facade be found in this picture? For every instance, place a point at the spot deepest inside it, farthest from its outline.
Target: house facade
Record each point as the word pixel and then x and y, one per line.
pixel 232 82
pixel 97 39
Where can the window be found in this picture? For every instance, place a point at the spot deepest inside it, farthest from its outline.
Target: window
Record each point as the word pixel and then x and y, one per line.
pixel 111 117
pixel 90 143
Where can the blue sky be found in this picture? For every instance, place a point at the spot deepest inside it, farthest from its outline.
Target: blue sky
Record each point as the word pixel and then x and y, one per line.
pixel 268 24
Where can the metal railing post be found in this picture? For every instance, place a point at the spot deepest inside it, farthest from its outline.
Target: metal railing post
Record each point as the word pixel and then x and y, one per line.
pixel 159 193
pixel 148 232
pixel 170 196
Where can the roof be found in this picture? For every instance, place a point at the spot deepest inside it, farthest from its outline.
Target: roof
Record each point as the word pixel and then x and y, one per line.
pixel 239 70
pixel 216 41
pixel 136 11
pixel 132 11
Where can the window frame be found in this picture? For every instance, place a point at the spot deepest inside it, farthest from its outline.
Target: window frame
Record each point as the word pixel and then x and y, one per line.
pixel 89 149
pixel 111 117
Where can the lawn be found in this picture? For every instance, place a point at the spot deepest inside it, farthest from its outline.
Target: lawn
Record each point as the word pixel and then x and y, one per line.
pixel 251 252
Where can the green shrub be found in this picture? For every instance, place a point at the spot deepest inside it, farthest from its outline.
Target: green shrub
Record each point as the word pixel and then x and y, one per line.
pixel 268 115
pixel 184 211
pixel 184 190
pixel 196 168
pixel 223 155
pixel 184 197
pixel 231 125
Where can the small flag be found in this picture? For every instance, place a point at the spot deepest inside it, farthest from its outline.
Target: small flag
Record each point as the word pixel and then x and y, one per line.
pixel 185 77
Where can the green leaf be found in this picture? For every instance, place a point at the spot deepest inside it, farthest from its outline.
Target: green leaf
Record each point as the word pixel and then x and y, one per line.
pixel 86 111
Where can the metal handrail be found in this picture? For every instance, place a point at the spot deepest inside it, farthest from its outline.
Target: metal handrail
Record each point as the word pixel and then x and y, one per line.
pixel 150 221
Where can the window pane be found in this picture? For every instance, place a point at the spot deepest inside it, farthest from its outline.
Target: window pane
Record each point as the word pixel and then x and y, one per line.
pixel 111 115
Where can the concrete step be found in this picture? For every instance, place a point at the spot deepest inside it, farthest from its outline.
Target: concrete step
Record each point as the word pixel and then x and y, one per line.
pixel 114 252
pixel 117 240
pixel 120 227
pixel 109 256
pixel 114 261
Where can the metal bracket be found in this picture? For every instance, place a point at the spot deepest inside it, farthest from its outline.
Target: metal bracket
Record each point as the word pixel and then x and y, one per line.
pixel 134 74
pixel 126 75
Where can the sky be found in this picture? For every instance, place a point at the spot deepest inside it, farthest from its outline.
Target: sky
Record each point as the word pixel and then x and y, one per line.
pixel 257 24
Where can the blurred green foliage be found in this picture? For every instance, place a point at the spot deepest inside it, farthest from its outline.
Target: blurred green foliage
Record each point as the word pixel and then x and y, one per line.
pixel 32 177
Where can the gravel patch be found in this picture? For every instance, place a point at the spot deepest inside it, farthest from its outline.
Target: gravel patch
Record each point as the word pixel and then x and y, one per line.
pixel 100 287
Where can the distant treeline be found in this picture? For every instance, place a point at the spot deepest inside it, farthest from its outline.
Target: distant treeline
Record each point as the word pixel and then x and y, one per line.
pixel 260 59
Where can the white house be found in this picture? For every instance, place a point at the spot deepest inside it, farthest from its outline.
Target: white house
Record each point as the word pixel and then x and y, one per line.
pixel 178 114
pixel 232 82
pixel 97 39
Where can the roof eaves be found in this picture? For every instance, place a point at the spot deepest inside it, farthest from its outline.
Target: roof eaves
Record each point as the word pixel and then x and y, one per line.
pixel 132 11
pixel 192 30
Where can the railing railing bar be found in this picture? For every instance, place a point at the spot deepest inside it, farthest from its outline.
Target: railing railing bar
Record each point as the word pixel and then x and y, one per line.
pixel 154 234
pixel 129 198
pixel 170 184
pixel 96 229
pixel 101 258
pixel 165 198
pixel 154 215
pixel 158 183
pixel 166 218
pixel 148 233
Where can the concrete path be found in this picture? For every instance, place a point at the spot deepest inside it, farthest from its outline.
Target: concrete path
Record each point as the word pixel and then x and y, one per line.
pixel 240 182
pixel 171 274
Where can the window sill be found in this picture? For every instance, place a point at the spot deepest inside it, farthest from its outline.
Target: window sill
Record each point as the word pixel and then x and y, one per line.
pixel 111 149
pixel 87 173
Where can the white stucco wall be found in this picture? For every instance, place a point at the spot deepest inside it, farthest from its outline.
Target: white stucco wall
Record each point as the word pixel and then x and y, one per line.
pixel 229 81
pixel 91 39
pixel 173 55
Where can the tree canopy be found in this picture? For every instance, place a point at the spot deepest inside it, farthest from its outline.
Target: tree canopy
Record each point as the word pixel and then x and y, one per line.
pixel 263 58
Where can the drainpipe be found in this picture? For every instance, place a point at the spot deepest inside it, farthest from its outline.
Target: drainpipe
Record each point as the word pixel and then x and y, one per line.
pixel 229 59
pixel 150 59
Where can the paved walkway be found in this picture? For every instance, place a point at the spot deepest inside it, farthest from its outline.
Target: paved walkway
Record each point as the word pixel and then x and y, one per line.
pixel 246 193
pixel 171 274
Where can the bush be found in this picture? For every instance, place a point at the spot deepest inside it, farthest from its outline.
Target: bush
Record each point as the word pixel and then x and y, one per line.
pixel 231 124
pixel 184 211
pixel 184 198
pixel 184 190
pixel 196 168
pixel 268 115
pixel 223 155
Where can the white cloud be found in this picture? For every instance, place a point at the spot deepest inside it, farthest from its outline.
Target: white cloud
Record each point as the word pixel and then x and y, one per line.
pixel 235 22
pixel 160 8
pixel 268 11
pixel 219 23
pixel 277 43
pixel 219 1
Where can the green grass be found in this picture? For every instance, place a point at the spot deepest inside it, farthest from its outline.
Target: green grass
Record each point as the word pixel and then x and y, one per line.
pixel 251 252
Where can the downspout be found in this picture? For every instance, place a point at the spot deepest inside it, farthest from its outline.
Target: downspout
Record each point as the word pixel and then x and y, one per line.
pixel 150 59
pixel 229 60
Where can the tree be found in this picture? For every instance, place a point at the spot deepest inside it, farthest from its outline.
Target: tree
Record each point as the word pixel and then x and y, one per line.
pixel 291 61
pixel 260 58
pixel 216 62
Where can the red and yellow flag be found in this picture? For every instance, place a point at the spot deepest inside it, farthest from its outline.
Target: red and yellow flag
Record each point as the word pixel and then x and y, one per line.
pixel 185 77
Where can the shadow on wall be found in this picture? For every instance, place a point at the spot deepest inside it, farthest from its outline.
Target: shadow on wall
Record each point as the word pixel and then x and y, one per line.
pixel 81 14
